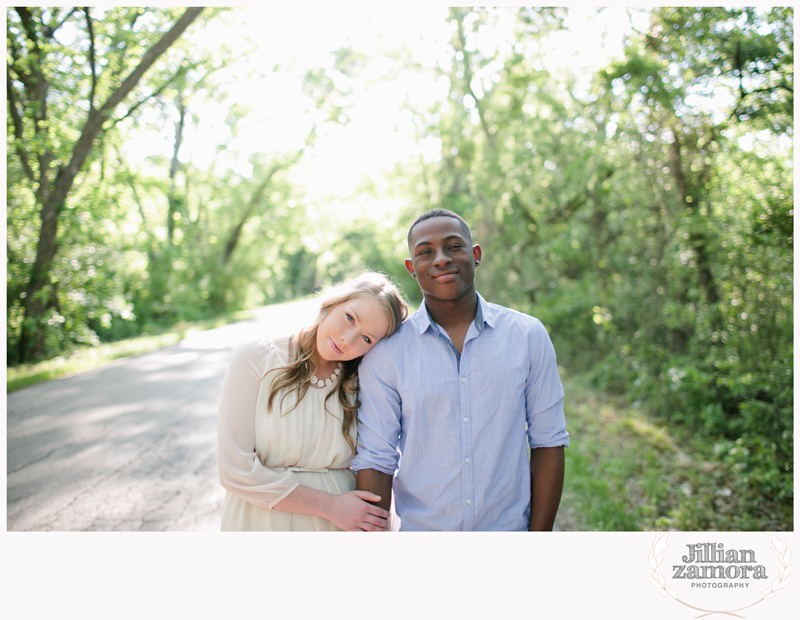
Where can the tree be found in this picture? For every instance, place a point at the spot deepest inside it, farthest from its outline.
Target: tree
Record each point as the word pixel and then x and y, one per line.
pixel 68 73
pixel 646 218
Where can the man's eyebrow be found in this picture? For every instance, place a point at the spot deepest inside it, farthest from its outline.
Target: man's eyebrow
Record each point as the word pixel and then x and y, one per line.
pixel 448 238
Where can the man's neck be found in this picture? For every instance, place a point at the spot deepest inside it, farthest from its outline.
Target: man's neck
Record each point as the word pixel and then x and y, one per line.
pixel 455 313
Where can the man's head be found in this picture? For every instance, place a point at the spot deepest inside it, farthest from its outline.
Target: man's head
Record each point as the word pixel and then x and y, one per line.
pixel 443 258
pixel 440 213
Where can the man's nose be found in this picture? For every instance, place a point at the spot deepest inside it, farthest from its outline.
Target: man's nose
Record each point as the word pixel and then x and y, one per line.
pixel 441 257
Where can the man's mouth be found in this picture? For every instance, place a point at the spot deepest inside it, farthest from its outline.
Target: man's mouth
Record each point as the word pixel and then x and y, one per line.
pixel 445 276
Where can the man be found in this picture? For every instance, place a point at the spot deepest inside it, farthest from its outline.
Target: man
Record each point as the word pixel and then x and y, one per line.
pixel 446 399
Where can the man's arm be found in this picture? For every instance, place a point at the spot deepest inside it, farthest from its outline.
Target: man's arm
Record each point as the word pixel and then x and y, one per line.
pixel 547 480
pixel 378 426
pixel 378 483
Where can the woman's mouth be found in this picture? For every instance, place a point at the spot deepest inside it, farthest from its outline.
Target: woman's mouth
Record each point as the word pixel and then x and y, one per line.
pixel 336 349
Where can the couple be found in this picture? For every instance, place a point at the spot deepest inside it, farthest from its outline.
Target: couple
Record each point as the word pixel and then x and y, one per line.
pixel 439 408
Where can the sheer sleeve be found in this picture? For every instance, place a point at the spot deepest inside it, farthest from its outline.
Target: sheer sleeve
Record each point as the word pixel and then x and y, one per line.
pixel 240 470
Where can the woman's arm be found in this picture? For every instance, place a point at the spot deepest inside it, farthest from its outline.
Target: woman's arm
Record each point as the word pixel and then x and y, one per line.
pixel 241 471
pixel 347 511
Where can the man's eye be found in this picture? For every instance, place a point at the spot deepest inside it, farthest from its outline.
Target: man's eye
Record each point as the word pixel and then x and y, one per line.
pixel 455 246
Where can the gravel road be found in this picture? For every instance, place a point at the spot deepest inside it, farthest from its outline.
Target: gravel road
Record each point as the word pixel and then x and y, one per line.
pixel 130 446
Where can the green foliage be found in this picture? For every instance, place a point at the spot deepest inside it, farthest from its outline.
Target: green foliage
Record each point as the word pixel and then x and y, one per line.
pixel 147 244
pixel 626 473
pixel 645 216
pixel 648 222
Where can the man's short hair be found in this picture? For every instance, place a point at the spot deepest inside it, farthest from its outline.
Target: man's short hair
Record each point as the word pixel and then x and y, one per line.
pixel 441 213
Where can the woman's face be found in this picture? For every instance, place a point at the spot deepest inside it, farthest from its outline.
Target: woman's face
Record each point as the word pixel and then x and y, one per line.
pixel 351 329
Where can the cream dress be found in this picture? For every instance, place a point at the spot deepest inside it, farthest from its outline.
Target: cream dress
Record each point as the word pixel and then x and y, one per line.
pixel 263 457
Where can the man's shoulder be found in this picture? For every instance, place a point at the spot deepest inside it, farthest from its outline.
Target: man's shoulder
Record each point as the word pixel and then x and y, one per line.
pixel 513 319
pixel 398 340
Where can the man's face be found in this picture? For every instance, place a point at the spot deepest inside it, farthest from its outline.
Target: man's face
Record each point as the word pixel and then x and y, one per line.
pixel 442 259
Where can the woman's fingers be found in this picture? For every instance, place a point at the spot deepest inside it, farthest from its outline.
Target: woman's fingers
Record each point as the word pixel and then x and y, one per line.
pixel 358 513
pixel 367 496
pixel 378 512
pixel 371 527
pixel 374 520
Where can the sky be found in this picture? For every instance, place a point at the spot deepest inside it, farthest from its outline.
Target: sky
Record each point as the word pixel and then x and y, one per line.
pixel 379 134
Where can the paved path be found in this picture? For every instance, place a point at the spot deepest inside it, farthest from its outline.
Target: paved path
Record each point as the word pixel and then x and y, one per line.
pixel 130 446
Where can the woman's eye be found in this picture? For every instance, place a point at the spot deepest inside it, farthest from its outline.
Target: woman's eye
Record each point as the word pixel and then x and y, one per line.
pixel 367 340
pixel 349 318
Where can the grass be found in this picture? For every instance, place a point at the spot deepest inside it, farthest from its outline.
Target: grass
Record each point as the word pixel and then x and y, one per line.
pixel 87 358
pixel 627 472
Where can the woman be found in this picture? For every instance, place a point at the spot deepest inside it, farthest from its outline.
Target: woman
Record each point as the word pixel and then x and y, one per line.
pixel 287 417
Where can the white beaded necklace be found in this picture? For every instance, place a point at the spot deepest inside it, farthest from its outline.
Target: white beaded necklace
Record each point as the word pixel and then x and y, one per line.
pixel 327 382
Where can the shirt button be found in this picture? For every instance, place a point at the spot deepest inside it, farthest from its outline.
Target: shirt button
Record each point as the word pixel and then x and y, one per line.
pixel 466 419
pixel 466 460
pixel 469 501
pixel 463 379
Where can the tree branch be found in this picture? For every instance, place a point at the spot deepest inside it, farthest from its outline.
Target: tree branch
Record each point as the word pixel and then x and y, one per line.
pixel 150 57
pixel 90 28
pixel 51 30
pixel 27 23
pixel 255 198
pixel 94 123
pixel 129 179
pixel 16 119
pixel 462 40
pixel 114 72
pixel 152 95
pixel 34 79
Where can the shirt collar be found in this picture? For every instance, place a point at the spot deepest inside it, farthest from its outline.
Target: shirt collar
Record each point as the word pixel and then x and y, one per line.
pixel 483 316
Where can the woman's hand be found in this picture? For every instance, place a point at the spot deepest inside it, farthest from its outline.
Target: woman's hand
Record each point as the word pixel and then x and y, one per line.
pixel 351 512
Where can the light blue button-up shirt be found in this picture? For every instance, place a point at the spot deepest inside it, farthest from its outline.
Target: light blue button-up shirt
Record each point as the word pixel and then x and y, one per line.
pixel 452 429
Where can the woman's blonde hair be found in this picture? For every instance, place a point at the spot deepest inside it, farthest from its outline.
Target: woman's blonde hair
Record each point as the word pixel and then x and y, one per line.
pixel 296 375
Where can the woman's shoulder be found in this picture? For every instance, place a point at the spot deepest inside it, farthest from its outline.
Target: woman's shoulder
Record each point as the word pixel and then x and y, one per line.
pixel 265 351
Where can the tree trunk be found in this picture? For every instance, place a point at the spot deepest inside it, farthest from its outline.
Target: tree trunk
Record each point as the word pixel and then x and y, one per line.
pixel 697 235
pixel 172 198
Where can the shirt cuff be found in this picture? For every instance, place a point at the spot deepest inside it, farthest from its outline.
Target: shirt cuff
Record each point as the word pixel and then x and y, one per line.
pixel 283 495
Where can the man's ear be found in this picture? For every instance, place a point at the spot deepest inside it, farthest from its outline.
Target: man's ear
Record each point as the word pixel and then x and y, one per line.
pixel 410 267
pixel 476 252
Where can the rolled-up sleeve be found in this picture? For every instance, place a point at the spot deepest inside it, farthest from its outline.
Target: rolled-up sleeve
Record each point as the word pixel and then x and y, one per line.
pixel 544 394
pixel 240 469
pixel 378 416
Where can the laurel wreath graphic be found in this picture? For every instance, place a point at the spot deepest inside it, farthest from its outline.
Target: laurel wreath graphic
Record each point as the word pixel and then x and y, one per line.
pixel 781 581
